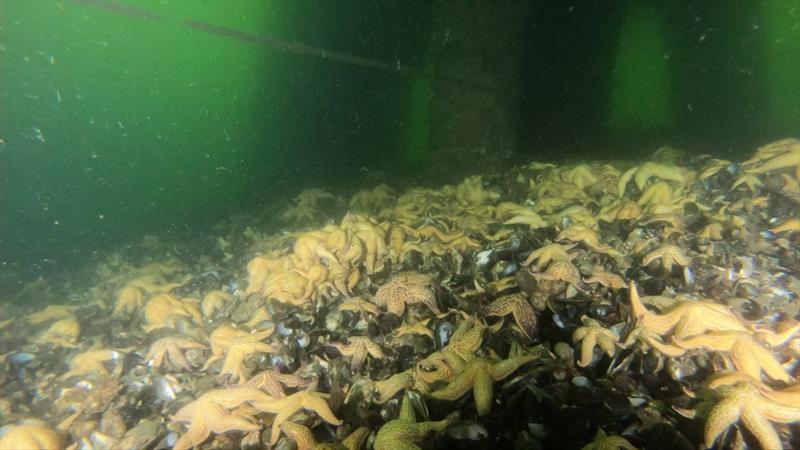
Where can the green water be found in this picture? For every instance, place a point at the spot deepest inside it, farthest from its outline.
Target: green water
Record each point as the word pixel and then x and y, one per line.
pixel 119 119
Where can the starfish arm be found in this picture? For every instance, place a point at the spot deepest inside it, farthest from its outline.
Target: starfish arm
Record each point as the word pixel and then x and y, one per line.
pixel 319 406
pixel 587 349
pixel 356 438
pixel 763 431
pixel 301 435
pixel 724 414
pixel 751 358
pixel 483 391
pixel 459 386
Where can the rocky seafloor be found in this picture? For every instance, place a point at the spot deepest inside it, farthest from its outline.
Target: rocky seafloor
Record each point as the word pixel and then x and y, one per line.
pixel 597 305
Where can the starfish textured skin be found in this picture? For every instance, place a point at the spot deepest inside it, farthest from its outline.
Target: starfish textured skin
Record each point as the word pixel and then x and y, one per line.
pixel 686 319
pixel 304 438
pixel 171 348
pixel 358 349
pixel 405 432
pixel 744 402
pixel 551 252
pixel 92 361
pixel 287 406
pixel 749 357
pixel 670 255
pixel 519 307
pixel 407 288
pixel 478 375
pixel 593 334
pixel 206 417
pixel 272 382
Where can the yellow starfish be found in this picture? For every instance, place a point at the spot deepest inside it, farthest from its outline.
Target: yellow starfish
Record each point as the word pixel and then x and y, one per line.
pixel 51 312
pixel 171 347
pixel 31 436
pixel 305 440
pixel 235 346
pixel 382 391
pixel 272 382
pixel 746 403
pixel 670 255
pixel 749 357
pixel 518 306
pixel 548 253
pixel 213 302
pixel 130 299
pixel 287 406
pixel 526 216
pixel 592 334
pixel 405 432
pixel 358 304
pixel 750 180
pixel 62 333
pixel 686 319
pixel 478 375
pixel 92 361
pixel 407 288
pixel 206 417
pixel 647 170
pixel 603 441
pixel 358 349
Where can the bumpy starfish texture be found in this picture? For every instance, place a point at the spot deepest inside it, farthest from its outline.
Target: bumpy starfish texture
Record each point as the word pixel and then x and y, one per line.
pixel 92 361
pixel 743 402
pixel 31 437
pixel 358 304
pixel 592 334
pixel 358 349
pixel 551 252
pixel 405 432
pixel 603 441
pixel 407 288
pixel 171 348
pixel 519 307
pixel 235 346
pixel 749 357
pixel 287 406
pixel 686 319
pixel 273 382
pixel 206 417
pixel 670 255
pixel 304 438
pixel 478 375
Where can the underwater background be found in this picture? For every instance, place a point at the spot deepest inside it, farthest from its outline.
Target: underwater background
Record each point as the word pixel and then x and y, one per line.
pixel 121 119
pixel 396 225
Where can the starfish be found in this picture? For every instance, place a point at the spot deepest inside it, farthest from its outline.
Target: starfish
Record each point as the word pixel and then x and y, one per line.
pixel 750 180
pixel 358 349
pixel 372 237
pixel 213 302
pixel 607 279
pixel 518 306
pixel 526 216
pixel 51 312
pixel 478 375
pixel 548 253
pixel 405 432
pixel 745 402
pixel 749 357
pixel 31 436
pixel 236 345
pixel 171 347
pixel 63 333
pixel 382 391
pixel 562 271
pixel 603 441
pixel 305 440
pixel 420 328
pixel 443 365
pixel 358 304
pixel 592 334
pixel 287 406
pixel 407 288
pixel 272 382
pixel 647 170
pixel 129 300
pixel 670 255
pixel 160 311
pixel 205 416
pixel 92 361
pixel 686 319
pixel 589 238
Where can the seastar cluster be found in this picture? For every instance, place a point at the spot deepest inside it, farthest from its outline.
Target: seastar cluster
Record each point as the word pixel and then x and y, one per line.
pixel 628 302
